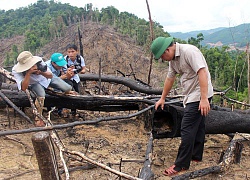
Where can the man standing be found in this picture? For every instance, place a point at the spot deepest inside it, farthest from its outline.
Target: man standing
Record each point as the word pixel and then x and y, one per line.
pixel 31 72
pixel 187 61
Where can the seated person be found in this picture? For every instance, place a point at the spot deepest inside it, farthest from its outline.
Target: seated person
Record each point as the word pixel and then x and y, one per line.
pixel 76 62
pixel 31 72
pixel 57 65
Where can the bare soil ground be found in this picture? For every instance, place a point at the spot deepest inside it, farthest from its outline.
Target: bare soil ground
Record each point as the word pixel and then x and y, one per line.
pixel 108 143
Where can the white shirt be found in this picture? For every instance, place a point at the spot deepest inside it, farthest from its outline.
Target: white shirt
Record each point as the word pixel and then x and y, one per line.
pixel 34 78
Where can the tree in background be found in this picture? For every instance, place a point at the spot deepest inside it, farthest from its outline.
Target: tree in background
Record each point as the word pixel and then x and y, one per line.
pixel 32 41
pixel 11 56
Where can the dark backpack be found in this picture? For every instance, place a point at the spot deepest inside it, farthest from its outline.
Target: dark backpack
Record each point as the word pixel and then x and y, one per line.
pixel 78 60
pixel 78 67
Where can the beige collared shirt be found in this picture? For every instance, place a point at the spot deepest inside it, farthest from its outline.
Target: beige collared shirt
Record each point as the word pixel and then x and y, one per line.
pixel 188 61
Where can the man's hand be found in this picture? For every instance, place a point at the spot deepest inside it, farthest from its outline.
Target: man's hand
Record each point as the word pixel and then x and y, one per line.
pixel 160 103
pixel 70 73
pixel 204 107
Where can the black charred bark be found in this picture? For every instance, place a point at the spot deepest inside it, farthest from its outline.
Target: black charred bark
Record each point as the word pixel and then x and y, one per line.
pixel 94 103
pixel 45 155
pixel 198 173
pixel 146 172
pixel 132 84
pixel 166 123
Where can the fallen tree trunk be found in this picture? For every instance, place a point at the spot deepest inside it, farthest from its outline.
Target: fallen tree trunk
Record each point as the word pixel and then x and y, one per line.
pixel 231 121
pixel 166 123
pixel 94 103
pixel 132 84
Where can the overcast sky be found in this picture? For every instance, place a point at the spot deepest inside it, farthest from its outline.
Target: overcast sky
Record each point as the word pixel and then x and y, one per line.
pixel 174 15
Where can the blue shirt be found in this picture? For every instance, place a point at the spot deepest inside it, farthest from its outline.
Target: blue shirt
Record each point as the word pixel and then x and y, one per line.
pixel 55 72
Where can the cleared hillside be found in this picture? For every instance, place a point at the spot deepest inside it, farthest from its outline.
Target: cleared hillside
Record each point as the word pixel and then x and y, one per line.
pixel 117 52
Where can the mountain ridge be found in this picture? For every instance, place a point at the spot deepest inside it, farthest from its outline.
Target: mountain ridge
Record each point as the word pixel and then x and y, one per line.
pixel 186 35
pixel 237 36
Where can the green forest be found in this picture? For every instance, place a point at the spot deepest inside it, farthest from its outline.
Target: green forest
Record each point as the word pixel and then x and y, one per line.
pixel 45 20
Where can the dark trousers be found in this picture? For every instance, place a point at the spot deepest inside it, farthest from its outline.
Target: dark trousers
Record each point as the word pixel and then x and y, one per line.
pixel 76 87
pixel 74 84
pixel 192 136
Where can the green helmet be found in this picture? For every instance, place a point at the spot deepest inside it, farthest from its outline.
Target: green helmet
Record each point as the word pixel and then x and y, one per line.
pixel 159 45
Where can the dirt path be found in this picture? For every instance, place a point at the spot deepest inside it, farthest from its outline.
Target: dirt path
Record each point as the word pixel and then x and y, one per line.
pixel 108 143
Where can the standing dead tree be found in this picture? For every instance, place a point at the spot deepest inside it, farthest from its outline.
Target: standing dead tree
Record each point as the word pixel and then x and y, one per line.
pixel 151 38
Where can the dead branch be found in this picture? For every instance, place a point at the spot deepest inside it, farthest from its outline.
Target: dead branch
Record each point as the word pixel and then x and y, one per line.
pixel 15 107
pixel 62 150
pixel 132 84
pixel 85 102
pixel 60 146
pixel 229 158
pixel 66 170
pixel 152 38
pixel 18 175
pixel 198 173
pixel 75 123
pixel 235 101
pixel 86 167
pixel 102 165
pixel 18 141
pixel 146 172
pixel 7 74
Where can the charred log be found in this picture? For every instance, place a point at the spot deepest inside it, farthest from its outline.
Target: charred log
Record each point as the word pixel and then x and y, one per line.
pixel 198 173
pixel 146 172
pixel 95 103
pixel 45 155
pixel 166 123
pixel 132 84
pixel 4 98
pixel 9 86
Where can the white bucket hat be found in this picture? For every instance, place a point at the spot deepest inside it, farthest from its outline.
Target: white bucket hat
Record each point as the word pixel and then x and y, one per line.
pixel 25 61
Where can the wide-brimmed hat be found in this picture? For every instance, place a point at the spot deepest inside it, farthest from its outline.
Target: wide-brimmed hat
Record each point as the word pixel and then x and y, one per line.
pixel 159 45
pixel 25 61
pixel 58 58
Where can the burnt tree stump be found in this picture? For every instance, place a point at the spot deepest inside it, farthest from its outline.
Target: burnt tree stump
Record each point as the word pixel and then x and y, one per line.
pixel 45 156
